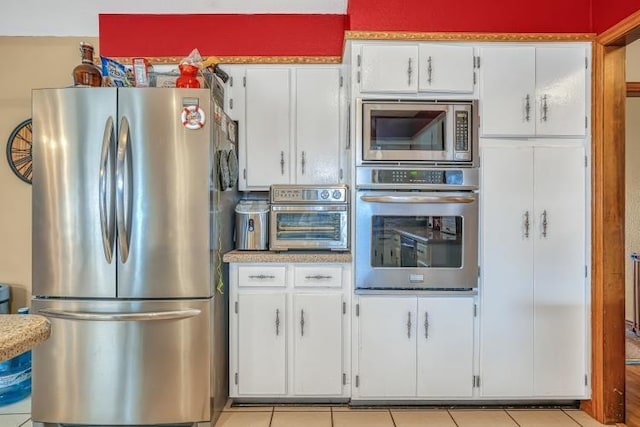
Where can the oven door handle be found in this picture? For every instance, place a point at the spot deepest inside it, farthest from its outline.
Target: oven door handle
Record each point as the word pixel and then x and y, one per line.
pixel 418 199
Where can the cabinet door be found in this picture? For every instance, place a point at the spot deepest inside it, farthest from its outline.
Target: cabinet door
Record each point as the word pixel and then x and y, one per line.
pixel 387 346
pixel 560 91
pixel 559 282
pixel 268 126
pixel 507 91
pixel 506 315
pixel 389 68
pixel 317 344
pixel 445 347
pixel 445 68
pixel 317 125
pixel 261 344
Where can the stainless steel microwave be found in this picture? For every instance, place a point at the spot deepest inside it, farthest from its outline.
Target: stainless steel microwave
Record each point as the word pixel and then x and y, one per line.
pixel 423 132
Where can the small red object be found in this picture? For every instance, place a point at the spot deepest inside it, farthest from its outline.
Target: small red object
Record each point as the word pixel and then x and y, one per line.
pixel 188 76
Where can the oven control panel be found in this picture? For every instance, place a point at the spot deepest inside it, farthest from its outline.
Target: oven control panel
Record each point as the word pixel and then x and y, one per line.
pixel 308 194
pixel 416 176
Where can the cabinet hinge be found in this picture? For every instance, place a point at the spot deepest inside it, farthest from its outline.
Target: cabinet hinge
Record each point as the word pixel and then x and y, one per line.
pixel 344 308
pixel 586 125
pixel 585 271
pixel 357 380
pixel 478 271
pixel 244 173
pixel 586 379
pixel 476 380
pixel 477 61
pixel 236 306
pixel 344 379
pixel 358 60
pixel 341 174
pixel 585 161
pixel 341 81
pixel 357 312
pixel 358 76
pixel 231 104
pixel 236 378
pixel 586 62
pixel 244 81
pixel 475 310
pixel 231 81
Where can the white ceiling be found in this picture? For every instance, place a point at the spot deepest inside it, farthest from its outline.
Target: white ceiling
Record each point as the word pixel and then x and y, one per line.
pixel 80 17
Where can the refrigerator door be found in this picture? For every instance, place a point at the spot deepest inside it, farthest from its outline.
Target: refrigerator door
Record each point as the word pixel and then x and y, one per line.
pixel 73 187
pixel 123 362
pixel 163 207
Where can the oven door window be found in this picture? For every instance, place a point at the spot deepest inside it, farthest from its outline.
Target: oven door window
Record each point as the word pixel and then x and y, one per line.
pixel 397 130
pixel 318 226
pixel 416 241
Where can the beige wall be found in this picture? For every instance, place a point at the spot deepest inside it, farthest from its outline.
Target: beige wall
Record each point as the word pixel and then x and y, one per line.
pixel 632 173
pixel 27 63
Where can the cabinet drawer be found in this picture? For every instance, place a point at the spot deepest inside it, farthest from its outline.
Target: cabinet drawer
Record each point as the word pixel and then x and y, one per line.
pixel 262 276
pixel 325 277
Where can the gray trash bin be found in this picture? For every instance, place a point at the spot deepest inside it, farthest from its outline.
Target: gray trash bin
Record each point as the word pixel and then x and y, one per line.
pixel 4 299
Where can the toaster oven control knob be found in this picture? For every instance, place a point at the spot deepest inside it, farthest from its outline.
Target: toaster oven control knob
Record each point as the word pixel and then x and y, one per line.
pixel 337 194
pixel 324 195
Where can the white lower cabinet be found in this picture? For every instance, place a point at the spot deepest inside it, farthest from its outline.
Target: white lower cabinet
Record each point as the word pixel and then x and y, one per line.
pixel 261 344
pixel 289 337
pixel 414 347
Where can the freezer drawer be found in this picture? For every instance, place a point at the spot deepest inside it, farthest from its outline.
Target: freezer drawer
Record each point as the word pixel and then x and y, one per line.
pixel 123 362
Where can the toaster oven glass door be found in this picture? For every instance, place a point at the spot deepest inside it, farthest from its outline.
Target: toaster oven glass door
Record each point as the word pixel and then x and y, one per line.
pixel 308 227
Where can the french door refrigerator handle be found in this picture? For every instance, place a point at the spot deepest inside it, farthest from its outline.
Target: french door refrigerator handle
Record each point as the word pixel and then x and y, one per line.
pixel 123 233
pixel 120 317
pixel 106 177
pixel 417 199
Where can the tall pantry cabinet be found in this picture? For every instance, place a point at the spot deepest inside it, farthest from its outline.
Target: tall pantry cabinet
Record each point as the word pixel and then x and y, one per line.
pixel 533 299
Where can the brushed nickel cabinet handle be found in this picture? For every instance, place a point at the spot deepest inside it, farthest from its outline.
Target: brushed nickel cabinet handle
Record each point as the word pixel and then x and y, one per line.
pixel 526 225
pixel 545 108
pixel 301 323
pixel 527 108
pixel 545 223
pixel 409 325
pixel 426 325
pixel 277 322
pixel 262 277
pixel 409 72
pixel 303 162
pixel 318 277
pixel 429 70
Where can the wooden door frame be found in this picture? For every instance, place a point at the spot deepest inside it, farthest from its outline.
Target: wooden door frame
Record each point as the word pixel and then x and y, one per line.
pixel 607 403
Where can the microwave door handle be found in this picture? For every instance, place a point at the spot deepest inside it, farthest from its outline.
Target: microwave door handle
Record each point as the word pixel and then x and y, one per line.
pixel 418 199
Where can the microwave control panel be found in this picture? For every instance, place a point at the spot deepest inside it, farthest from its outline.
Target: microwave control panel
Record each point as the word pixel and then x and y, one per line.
pixel 462 135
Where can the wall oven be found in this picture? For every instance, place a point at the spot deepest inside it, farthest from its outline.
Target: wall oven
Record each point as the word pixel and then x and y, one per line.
pixel 309 217
pixel 424 132
pixel 416 229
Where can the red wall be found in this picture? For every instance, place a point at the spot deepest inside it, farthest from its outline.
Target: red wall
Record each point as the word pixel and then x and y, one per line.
pixel 222 35
pixel 511 16
pixel 322 35
pixel 607 13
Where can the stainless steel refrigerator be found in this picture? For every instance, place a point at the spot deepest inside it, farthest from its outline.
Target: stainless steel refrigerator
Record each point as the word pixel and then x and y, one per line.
pixel 128 230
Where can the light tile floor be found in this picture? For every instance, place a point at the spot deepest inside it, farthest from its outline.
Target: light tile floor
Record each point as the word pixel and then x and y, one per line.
pixel 343 416
pixel 19 415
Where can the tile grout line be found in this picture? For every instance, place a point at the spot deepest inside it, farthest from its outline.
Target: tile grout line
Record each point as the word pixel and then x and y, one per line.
pixel 393 421
pixel 452 419
pixel 511 416
pixel 572 419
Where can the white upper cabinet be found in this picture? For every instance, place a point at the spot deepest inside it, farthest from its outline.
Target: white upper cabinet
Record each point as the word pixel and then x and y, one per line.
pixel 268 127
pixel 412 68
pixel 533 91
pixel 445 68
pixel 389 68
pixel 560 91
pixel 290 125
pixel 317 126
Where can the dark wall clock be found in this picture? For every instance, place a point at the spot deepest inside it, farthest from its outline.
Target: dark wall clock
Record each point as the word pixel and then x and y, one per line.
pixel 19 151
